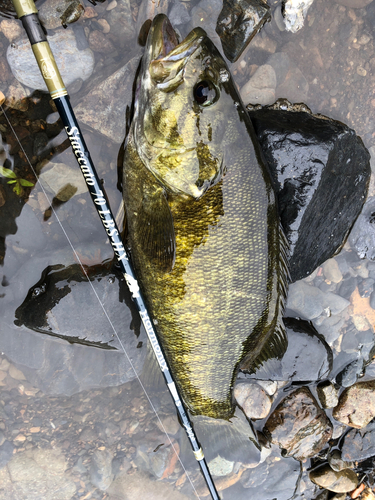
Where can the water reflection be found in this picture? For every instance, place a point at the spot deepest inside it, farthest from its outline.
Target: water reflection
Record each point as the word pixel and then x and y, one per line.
pixel 47 402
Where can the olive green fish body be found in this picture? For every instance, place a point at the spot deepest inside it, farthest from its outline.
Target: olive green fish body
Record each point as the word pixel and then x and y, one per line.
pixel 209 254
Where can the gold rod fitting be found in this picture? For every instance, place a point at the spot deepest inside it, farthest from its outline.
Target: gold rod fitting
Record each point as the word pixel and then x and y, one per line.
pixel 49 69
pixel 199 455
pixel 24 7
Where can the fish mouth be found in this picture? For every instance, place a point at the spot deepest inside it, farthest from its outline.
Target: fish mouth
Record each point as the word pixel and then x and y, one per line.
pixel 166 57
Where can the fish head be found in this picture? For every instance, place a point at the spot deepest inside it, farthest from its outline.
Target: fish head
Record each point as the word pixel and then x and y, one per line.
pixel 181 109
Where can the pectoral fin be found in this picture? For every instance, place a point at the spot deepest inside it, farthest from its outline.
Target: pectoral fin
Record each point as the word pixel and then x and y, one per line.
pixel 156 229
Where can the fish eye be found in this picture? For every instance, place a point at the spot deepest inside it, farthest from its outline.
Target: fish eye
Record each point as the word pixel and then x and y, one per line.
pixel 205 93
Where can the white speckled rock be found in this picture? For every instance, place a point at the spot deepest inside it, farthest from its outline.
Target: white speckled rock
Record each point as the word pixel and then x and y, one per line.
pixel 73 57
pixel 294 14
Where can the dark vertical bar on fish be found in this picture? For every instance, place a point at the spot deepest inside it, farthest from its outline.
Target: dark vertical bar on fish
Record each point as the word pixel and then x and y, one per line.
pixel 28 14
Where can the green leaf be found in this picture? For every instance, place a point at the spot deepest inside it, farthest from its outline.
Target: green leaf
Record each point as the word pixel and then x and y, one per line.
pixel 6 172
pixel 18 189
pixel 24 182
pixel 13 182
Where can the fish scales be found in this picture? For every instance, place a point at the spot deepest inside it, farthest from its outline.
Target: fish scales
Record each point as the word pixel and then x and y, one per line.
pixel 219 298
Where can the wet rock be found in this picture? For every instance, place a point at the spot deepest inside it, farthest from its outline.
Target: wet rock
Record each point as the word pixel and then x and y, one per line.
pixel 328 394
pixel 332 271
pixel 260 89
pixel 272 479
pixel 253 400
pixel 307 153
pixel 73 57
pixel 366 287
pixel 339 482
pixel 60 367
pixel 29 230
pixel 121 23
pixel 294 12
pixel 179 14
pixel 330 328
pixel 35 473
pixel 58 175
pixel 367 494
pixel 337 462
pixel 11 29
pixel 295 87
pixel 139 486
pixel 156 456
pixel 309 302
pixel 270 386
pixel 351 373
pixel 220 466
pixel 98 42
pixel 281 63
pixel 356 406
pixel 354 4
pixel 362 236
pixel 6 453
pixel 308 356
pixel 347 287
pixel 52 13
pixel 104 108
pixel 299 426
pixel 101 474
pixel 238 23
pixel 359 444
pixel 205 14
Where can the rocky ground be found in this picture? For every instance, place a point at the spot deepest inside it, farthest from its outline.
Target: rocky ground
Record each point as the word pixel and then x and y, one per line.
pixel 74 422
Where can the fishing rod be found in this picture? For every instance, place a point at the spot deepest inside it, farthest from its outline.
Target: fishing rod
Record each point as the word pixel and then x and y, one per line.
pixel 28 14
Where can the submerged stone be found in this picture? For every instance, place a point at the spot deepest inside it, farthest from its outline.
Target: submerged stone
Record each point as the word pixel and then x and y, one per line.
pixel 351 373
pixel 337 481
pixel 310 157
pixel 73 56
pixel 104 107
pixel 299 425
pixel 337 462
pixel 238 23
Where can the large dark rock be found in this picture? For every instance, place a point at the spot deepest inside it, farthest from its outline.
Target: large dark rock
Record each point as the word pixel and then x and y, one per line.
pixel 238 23
pixel 312 157
pixel 299 425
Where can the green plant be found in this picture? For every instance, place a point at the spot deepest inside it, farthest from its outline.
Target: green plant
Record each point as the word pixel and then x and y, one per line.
pixel 18 183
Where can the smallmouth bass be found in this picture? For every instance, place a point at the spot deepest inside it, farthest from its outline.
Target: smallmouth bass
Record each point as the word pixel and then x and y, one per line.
pixel 202 221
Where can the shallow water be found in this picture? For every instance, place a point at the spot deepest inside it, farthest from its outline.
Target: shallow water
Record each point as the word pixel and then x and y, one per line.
pixel 80 404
